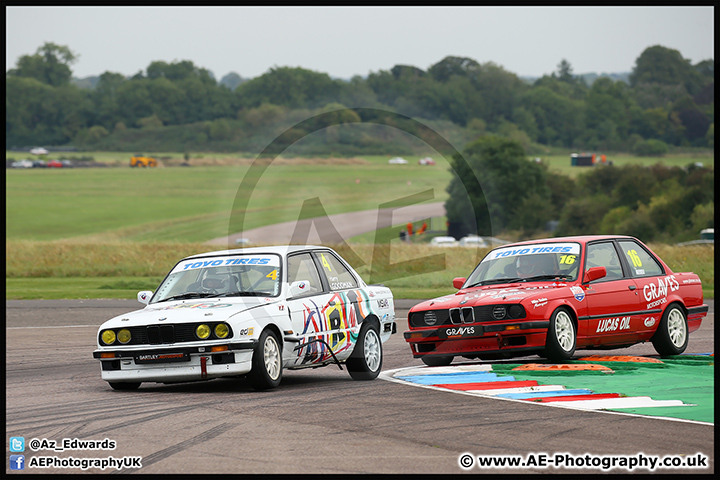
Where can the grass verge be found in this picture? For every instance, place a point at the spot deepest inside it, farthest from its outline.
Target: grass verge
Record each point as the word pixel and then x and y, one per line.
pixel 66 269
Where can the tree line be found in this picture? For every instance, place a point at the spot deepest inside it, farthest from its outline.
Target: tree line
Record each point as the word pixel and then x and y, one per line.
pixel 524 198
pixel 668 102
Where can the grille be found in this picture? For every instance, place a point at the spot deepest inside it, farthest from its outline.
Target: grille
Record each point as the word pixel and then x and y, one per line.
pixel 160 334
pixel 464 315
pixel 165 334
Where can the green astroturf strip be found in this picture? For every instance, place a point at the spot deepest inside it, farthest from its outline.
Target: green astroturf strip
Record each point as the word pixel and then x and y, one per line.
pixel 686 378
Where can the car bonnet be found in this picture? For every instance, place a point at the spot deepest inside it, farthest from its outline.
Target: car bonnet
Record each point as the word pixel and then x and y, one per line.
pixel 186 311
pixel 493 294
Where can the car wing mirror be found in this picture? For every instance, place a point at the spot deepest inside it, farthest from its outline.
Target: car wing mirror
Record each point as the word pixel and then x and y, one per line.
pixel 594 273
pixel 299 288
pixel 144 296
pixel 458 282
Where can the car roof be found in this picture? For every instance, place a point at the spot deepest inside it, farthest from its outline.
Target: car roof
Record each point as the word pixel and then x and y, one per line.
pixel 578 238
pixel 277 249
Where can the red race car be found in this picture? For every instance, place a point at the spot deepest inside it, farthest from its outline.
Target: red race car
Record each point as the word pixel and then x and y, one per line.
pixel 553 296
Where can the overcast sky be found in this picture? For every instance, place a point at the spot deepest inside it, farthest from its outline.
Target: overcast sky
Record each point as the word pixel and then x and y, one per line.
pixel 348 41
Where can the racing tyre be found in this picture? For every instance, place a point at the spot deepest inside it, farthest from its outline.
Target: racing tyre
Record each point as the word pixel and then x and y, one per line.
pixel 365 361
pixel 125 385
pixel 671 337
pixel 266 370
pixel 437 361
pixel 561 336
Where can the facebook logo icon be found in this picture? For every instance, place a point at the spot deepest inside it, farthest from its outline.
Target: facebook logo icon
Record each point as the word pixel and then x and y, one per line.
pixel 17 462
pixel 17 444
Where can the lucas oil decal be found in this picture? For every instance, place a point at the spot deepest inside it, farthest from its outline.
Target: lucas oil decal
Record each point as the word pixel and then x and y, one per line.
pixel 613 324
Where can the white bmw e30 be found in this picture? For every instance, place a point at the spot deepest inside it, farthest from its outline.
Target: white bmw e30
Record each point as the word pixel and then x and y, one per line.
pixel 249 312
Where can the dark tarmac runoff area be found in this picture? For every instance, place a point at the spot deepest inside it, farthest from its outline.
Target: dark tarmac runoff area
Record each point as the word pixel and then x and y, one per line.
pixel 316 421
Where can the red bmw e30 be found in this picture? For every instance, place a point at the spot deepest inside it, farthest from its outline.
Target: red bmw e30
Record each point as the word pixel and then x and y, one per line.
pixel 553 296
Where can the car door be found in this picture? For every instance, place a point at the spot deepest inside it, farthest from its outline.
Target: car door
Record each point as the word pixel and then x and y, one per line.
pixel 343 312
pixel 613 315
pixel 307 312
pixel 653 284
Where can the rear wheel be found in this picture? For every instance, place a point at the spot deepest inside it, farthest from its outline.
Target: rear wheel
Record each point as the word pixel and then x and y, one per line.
pixel 561 336
pixel 437 361
pixel 366 360
pixel 671 337
pixel 266 370
pixel 125 385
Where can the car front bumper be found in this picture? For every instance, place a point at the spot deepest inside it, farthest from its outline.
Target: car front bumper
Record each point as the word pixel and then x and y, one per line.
pixel 169 365
pixel 483 339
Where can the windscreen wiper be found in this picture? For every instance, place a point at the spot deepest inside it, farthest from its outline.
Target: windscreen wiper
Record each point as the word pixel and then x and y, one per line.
pixel 187 295
pixel 496 280
pixel 546 277
pixel 245 294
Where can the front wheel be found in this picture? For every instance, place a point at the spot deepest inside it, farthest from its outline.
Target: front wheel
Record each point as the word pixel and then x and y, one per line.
pixel 437 361
pixel 366 360
pixel 266 370
pixel 671 337
pixel 561 336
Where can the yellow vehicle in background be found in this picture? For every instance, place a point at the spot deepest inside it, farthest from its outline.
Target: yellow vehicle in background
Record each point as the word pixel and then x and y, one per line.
pixel 140 161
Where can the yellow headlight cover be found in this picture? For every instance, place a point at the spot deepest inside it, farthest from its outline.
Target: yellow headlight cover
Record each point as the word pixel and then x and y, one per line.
pixel 124 336
pixel 221 330
pixel 108 337
pixel 202 331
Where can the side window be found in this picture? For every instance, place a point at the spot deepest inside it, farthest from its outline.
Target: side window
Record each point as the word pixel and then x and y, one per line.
pixel 642 264
pixel 302 267
pixel 339 277
pixel 604 255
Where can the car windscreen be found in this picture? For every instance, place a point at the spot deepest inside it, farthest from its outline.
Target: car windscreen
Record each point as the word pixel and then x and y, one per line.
pixel 535 262
pixel 222 276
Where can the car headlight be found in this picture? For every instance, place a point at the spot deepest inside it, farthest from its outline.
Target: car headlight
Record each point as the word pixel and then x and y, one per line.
pixel 221 330
pixel 202 331
pixel 108 337
pixel 124 336
pixel 498 312
pixel 516 311
pixel 430 317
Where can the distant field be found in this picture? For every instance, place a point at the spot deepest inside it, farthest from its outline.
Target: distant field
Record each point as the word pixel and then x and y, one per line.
pixel 109 232
pixel 193 204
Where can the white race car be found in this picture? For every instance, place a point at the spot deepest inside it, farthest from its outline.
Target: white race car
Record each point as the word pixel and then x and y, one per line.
pixel 254 312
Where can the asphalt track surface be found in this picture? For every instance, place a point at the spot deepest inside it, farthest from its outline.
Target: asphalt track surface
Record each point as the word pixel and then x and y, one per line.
pixel 316 421
pixel 333 229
